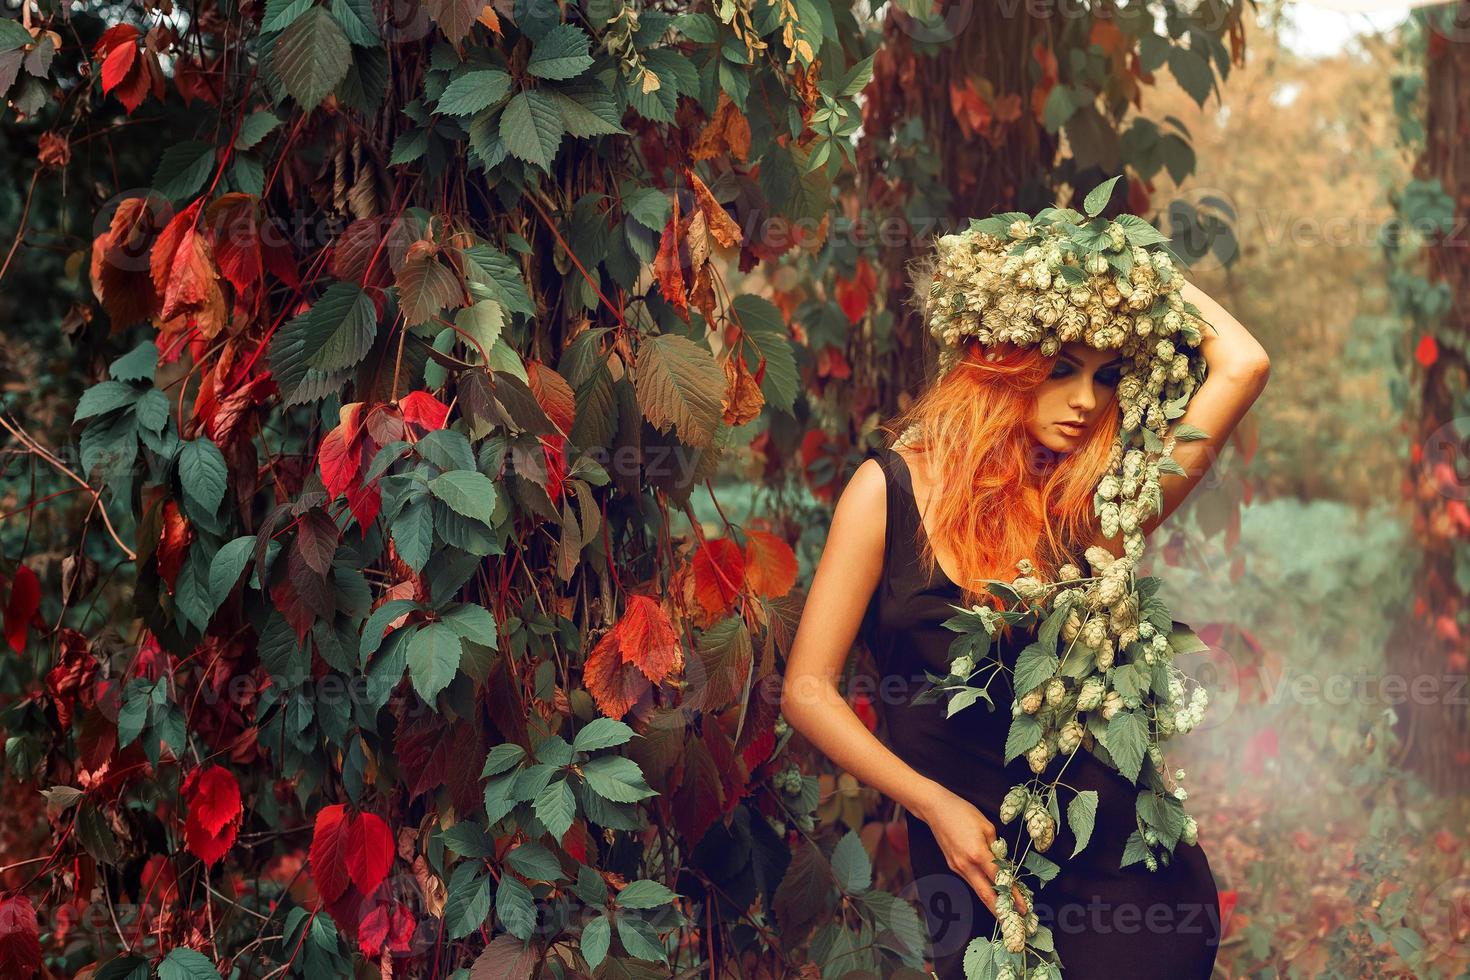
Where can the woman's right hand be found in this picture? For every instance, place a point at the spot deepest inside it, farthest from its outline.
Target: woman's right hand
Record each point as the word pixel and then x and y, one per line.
pixel 965 835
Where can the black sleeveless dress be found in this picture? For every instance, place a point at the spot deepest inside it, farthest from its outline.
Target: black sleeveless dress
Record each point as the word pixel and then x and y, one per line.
pixel 1107 922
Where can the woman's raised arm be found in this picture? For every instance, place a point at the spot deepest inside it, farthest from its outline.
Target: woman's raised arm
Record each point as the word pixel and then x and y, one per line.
pixel 1238 369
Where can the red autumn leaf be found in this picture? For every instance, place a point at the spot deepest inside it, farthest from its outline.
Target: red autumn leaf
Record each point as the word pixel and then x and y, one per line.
pixel 127 72
pixel 553 448
pixel 719 575
pixel 329 852
pixel 641 648
pixel 20 945
pixel 173 543
pixel 215 800
pixel 185 277
pixel 22 606
pixel 1428 350
pixel 390 925
pixel 196 81
pixel 341 455
pixel 648 638
pixel 119 268
pixel 213 797
pixel 614 684
pixel 770 564
pixel 669 268
pixel 553 394
pixel 369 852
pixel 423 410
pixel 855 295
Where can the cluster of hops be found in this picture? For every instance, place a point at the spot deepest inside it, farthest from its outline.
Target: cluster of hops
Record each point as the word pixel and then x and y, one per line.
pixel 1061 277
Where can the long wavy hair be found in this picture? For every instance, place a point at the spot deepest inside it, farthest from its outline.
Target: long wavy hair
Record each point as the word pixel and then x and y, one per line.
pixel 998 496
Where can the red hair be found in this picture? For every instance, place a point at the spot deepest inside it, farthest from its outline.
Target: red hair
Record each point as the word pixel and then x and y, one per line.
pixel 1000 496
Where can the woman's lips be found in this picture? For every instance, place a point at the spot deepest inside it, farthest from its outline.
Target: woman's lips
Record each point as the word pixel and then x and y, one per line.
pixel 1072 428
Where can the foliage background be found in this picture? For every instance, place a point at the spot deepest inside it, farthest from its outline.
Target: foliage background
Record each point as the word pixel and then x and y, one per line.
pixel 1293 562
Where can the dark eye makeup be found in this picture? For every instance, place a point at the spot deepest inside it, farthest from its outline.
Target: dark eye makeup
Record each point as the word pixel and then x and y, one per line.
pixel 1107 376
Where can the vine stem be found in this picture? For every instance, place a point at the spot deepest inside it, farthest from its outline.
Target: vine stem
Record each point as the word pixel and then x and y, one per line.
pixel 15 429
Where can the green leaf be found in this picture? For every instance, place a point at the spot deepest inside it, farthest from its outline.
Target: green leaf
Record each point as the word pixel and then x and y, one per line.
pixel 856 79
pixel 1188 433
pixel 104 397
pixel 647 894
pixel 615 778
pixel 123 968
pixel 467 905
pixel 560 54
pixel 344 324
pixel 433 658
pixel 413 533
pixel 531 128
pixel 556 807
pixel 468 839
pixel 651 208
pixel 183 168
pixel 312 57
pixel 1192 72
pixel 281 14
pixel 679 383
pixel 850 864
pixel 203 473
pixel 377 622
pixel 474 623
pixel 766 328
pixel 256 127
pixel 516 907
pixel 1126 740
pixel 601 733
pixel 596 938
pixel 474 91
pixel 358 22
pixel 467 492
pixel 1081 817
pixel 138 364
pixel 1025 732
pixel 535 862
pixel 301 338
pixel 1097 199
pixel 1034 666
pixel 183 963
pixel 501 758
pixel 588 112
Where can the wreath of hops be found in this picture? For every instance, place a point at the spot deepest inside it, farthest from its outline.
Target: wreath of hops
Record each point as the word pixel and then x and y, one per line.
pixel 1101 675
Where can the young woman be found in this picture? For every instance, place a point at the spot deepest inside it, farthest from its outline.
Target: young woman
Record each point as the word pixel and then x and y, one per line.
pixel 998 460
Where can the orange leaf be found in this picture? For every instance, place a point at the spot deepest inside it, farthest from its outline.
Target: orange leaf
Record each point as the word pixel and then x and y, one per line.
pixel 648 639
pixel 770 564
pixel 855 295
pixel 615 686
pixel 721 225
pixel 119 270
pixel 669 268
pixel 642 648
pixel 182 265
pixel 719 573
pixel 727 132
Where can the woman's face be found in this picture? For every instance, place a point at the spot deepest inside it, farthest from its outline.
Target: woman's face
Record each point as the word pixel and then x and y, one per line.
pixel 1082 382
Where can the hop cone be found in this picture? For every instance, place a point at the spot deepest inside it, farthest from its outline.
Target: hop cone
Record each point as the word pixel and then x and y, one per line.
pixel 1040 825
pixel 1013 803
